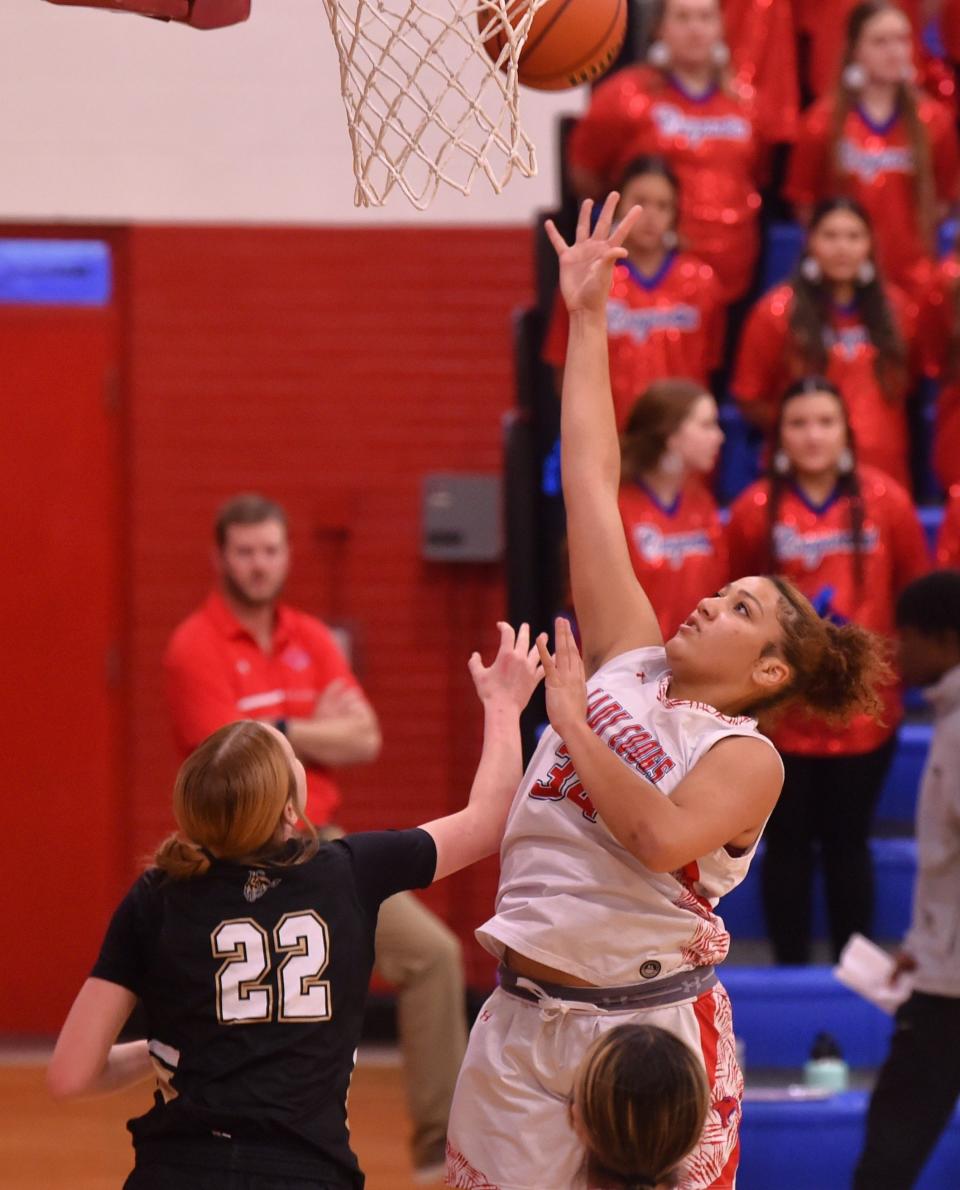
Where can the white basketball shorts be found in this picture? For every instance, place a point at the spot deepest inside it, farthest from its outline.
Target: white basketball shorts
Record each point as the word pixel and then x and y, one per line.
pixel 510 1121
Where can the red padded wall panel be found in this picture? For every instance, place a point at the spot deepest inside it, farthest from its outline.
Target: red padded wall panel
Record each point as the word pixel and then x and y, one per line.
pixel 332 369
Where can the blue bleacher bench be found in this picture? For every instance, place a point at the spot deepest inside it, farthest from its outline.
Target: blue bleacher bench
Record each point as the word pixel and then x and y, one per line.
pixel 778 1011
pixel 894 867
pixel 815 1146
pixel 898 798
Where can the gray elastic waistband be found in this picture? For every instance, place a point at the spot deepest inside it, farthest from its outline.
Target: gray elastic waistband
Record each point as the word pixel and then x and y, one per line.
pixel 672 989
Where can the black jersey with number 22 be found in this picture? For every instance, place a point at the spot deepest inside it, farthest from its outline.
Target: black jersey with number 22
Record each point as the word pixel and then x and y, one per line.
pixel 254 982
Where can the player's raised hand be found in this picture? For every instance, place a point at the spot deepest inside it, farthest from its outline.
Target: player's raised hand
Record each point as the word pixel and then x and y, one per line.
pixel 586 266
pixel 513 674
pixel 565 680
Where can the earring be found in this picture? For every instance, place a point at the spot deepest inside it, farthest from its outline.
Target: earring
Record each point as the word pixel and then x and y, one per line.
pixel 810 270
pixel 658 55
pixel 669 240
pixel 866 273
pixel 845 461
pixel 720 53
pixel 781 463
pixel 854 77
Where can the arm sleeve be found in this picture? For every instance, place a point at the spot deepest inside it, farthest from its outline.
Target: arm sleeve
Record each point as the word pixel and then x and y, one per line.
pixel 946 157
pixel 807 172
pixel 199 693
pixel 597 143
pixel 948 542
pixel 936 323
pixel 745 538
pixel 716 322
pixel 388 862
pixel 130 938
pixel 906 314
pixel 760 360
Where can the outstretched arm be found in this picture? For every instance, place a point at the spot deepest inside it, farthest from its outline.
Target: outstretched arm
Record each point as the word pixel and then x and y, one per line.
pixel 504 688
pixel 723 801
pixel 613 612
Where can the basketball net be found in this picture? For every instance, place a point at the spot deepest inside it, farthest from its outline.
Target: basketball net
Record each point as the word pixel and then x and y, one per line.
pixel 425 102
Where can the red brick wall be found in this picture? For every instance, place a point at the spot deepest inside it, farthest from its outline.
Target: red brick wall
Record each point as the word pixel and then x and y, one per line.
pixel 331 369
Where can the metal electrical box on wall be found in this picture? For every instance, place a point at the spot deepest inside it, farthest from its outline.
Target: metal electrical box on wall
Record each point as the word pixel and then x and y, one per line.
pixel 462 518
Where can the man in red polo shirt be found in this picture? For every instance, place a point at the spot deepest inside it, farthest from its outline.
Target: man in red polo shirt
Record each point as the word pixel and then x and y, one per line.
pixel 245 655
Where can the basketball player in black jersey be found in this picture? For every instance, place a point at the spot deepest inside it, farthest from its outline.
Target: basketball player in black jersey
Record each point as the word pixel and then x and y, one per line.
pixel 250 946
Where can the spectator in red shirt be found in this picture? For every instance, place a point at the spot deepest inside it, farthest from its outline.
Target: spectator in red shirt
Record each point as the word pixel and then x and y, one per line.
pixel 665 311
pixel 683 107
pixel 881 141
pixel 941 334
pixel 837 317
pixel 849 538
pixel 244 654
pixel 824 23
pixel 763 60
pixel 948 539
pixel 673 530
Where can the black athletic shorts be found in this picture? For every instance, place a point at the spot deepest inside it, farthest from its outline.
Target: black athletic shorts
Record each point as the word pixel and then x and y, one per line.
pixel 230 1166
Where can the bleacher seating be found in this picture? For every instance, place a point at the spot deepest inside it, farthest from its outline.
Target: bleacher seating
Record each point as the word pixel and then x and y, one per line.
pixel 894 865
pixel 898 798
pixel 778 1011
pixel 815 1145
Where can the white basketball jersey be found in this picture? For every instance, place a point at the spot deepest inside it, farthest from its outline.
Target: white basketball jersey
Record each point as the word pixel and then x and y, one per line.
pixel 570 895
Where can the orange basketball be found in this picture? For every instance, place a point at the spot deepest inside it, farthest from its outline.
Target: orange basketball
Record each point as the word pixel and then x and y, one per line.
pixel 570 41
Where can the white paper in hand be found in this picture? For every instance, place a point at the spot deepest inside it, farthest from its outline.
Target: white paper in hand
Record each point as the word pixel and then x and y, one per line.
pixel 866 970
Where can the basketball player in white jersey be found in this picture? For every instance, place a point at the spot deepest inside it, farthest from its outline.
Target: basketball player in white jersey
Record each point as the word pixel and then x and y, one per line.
pixel 641 807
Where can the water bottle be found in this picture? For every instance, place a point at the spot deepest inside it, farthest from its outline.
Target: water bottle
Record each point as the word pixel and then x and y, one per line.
pixel 826 1070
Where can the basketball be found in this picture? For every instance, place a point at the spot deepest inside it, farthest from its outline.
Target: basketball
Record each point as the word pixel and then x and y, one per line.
pixel 570 41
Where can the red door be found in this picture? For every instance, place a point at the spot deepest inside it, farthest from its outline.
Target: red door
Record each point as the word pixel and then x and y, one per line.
pixel 60 806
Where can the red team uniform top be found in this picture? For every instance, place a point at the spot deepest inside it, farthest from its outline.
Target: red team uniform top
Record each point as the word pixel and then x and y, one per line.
pixel 814 549
pixel 679 553
pixel 877 171
pixel 216 672
pixel 939 325
pixel 709 141
pixel 950 28
pixel 948 540
pixel 670 324
pixel 763 52
pixel 767 364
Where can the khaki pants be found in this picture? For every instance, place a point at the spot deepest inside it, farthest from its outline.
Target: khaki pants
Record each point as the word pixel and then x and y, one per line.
pixel 417 953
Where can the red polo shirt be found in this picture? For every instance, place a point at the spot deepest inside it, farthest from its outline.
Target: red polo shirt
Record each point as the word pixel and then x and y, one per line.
pixel 216 672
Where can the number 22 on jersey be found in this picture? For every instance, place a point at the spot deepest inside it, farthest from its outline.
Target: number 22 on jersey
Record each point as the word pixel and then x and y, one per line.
pixel 245 993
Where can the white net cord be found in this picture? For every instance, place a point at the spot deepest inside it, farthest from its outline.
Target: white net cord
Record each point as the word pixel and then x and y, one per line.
pixel 425 103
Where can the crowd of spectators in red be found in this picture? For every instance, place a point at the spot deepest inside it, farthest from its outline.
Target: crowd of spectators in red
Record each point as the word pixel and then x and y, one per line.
pixel 842 118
